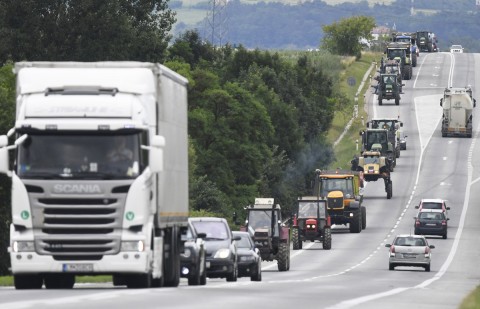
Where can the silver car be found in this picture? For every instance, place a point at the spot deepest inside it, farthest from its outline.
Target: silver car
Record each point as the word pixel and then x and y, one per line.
pixel 409 250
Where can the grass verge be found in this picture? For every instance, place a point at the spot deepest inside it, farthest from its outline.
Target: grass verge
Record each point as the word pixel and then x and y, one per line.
pixel 345 150
pixel 8 280
pixel 472 301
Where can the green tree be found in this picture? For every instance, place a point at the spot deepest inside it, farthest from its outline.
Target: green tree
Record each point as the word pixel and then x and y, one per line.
pixel 7 112
pixel 85 30
pixel 342 37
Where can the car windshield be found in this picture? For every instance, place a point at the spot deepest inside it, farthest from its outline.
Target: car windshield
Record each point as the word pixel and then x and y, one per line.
pixel 409 241
pixel 244 242
pixel 430 205
pixel 311 209
pixel 431 215
pixel 80 156
pixel 214 230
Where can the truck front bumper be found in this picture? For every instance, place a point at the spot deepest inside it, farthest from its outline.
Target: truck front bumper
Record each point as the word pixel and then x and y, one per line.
pixel 123 262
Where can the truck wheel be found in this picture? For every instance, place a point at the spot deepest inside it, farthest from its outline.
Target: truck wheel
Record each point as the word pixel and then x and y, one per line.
pixel 327 238
pixel 59 281
pixel 139 281
pixel 27 282
pixel 171 265
pixel 295 239
pixel 389 190
pixel 283 256
pixel 356 222
pixel 364 217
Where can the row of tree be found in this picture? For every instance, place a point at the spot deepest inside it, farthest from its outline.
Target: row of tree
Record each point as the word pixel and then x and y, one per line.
pixel 257 120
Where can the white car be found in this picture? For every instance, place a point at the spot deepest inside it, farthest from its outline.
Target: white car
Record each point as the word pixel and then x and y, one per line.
pixel 456 49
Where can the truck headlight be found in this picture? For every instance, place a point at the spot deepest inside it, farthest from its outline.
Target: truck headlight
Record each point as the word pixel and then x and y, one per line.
pixel 222 254
pixel 23 246
pixel 135 246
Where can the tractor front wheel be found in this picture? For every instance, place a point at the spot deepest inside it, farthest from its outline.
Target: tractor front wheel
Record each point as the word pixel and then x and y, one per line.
pixel 283 259
pixel 364 217
pixel 327 238
pixel 296 240
pixel 389 190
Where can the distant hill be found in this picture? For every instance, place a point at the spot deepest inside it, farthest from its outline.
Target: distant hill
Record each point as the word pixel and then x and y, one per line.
pixel 290 24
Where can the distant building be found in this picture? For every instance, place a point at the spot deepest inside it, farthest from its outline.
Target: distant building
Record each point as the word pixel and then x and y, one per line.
pixel 381 31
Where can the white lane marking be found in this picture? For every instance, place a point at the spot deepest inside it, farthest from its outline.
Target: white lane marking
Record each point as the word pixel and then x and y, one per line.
pixel 443 269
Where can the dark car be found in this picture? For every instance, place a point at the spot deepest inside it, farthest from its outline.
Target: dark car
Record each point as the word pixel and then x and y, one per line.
pixel 221 249
pixel 249 259
pixel 193 259
pixel 431 222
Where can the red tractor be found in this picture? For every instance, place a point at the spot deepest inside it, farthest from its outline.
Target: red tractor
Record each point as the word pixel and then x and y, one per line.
pixel 311 222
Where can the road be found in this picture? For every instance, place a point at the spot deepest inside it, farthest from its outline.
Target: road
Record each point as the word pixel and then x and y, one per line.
pixel 354 273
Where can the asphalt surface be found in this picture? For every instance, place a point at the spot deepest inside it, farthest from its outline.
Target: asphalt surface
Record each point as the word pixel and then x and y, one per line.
pixel 354 273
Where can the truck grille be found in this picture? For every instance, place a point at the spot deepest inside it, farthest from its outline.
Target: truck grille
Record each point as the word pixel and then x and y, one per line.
pixel 73 227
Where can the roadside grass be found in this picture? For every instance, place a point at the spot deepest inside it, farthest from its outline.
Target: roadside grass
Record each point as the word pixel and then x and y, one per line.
pixel 347 147
pixel 8 280
pixel 472 301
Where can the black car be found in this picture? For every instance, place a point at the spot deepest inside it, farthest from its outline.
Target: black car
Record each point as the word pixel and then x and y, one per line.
pixel 431 222
pixel 221 249
pixel 249 259
pixel 193 259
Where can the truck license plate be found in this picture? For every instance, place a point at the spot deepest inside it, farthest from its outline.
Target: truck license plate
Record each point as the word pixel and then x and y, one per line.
pixel 76 268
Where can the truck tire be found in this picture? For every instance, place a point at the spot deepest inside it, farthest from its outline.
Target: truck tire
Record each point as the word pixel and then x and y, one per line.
pixel 356 222
pixel 295 239
pixel 327 238
pixel 27 282
pixel 171 265
pixel 138 281
pixel 283 256
pixel 59 281
pixel 364 217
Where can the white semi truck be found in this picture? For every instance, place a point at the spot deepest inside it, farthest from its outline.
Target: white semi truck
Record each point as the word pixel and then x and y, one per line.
pixel 99 173
pixel 458 104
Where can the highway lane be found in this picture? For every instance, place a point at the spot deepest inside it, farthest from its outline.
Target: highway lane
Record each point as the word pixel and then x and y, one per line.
pixel 355 272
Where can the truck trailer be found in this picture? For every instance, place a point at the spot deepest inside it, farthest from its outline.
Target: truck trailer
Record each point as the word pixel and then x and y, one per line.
pixel 99 173
pixel 457 118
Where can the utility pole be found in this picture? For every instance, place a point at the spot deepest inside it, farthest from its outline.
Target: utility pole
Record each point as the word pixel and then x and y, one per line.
pixel 216 26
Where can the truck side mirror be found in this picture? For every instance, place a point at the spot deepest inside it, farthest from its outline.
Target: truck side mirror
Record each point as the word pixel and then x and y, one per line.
pixel 155 155
pixel 441 103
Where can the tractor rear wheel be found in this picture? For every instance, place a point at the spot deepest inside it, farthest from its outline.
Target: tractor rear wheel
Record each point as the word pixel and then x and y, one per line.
pixel 327 238
pixel 364 217
pixel 295 239
pixel 389 190
pixel 283 259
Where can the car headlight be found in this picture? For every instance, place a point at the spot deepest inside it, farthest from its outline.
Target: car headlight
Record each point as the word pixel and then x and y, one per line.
pixel 247 258
pixel 187 253
pixel 222 254
pixel 23 246
pixel 136 246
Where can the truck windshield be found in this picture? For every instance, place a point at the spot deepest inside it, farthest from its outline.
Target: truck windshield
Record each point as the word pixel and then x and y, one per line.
pixel 76 156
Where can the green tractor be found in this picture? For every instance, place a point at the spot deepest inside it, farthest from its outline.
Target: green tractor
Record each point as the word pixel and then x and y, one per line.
pixel 393 125
pixel 401 52
pixel 388 88
pixel 271 236
pixel 379 136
